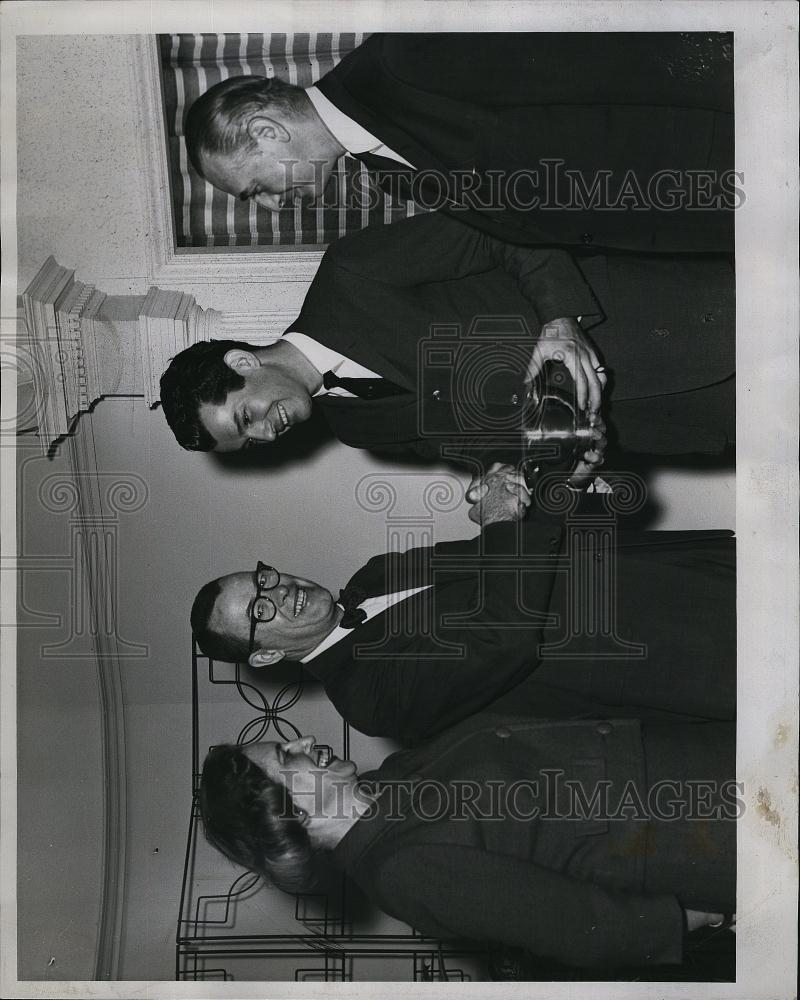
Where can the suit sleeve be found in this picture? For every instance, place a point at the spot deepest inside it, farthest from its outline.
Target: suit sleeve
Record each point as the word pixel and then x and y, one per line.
pixel 435 247
pixel 412 568
pixel 469 893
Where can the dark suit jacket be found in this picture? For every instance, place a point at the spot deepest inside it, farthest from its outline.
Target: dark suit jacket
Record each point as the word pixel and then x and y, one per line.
pixel 630 104
pixel 530 869
pixel 450 315
pixel 410 672
pixel 498 619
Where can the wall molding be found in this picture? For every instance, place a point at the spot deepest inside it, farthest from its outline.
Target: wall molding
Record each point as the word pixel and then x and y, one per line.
pixel 167 267
pixel 87 345
pixel 91 515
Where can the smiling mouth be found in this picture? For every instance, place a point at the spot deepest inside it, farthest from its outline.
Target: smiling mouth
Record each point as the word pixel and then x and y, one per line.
pixel 299 601
pixel 283 418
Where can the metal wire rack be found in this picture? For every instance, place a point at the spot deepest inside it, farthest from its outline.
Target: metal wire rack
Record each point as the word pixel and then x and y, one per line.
pixel 231 926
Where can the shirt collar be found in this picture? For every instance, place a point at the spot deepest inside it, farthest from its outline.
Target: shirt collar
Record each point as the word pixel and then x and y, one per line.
pixel 321 357
pixel 347 132
pixel 330 639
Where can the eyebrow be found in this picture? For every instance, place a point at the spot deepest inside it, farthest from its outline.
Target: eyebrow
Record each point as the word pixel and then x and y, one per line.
pixel 237 419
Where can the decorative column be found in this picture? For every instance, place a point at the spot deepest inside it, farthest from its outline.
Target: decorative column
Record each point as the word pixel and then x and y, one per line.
pixel 85 344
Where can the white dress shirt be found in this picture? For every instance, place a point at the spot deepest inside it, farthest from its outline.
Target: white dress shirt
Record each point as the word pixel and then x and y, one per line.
pixel 348 133
pixel 373 606
pixel 326 360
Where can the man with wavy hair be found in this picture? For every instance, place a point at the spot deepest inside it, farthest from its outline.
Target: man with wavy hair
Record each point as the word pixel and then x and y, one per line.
pixel 426 337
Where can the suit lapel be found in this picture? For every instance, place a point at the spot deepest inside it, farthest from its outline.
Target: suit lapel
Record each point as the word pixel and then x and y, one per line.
pixel 371 578
pixel 432 132
pixel 369 423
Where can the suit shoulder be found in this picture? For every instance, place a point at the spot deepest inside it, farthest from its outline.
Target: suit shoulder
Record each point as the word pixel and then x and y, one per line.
pixel 392 567
pixel 368 249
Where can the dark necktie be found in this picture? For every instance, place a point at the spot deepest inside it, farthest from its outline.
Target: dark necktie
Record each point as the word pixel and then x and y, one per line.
pixel 385 164
pixel 399 181
pixel 395 177
pixel 364 388
pixel 350 598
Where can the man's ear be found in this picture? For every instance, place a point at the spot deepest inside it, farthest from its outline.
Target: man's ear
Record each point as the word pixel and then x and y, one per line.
pixel 265 657
pixel 240 360
pixel 261 129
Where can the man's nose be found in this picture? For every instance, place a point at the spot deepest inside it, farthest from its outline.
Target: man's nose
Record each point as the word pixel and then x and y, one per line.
pixel 271 202
pixel 261 430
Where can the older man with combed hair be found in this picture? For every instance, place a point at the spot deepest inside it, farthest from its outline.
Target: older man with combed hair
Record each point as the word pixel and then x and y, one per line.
pixel 575 138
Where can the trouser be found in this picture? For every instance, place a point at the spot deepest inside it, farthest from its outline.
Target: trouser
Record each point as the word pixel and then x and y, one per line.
pixel 691 844
pixel 650 624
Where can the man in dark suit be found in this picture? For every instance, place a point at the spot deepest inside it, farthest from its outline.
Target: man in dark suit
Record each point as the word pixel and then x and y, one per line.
pixel 597 843
pixel 422 639
pixel 437 329
pixel 574 139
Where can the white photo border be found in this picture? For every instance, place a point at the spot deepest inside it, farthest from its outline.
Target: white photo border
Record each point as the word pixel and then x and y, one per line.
pixel 766 64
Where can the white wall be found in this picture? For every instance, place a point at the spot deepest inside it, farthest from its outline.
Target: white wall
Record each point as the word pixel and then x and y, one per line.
pixel 79 199
pixel 59 749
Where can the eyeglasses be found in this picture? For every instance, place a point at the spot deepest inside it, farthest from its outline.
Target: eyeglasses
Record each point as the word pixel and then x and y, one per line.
pixel 263 609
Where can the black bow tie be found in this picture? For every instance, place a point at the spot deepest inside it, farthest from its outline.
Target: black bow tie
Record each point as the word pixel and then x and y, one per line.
pixel 350 598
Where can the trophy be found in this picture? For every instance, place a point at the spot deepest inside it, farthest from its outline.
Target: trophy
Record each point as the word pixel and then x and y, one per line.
pixel 555 432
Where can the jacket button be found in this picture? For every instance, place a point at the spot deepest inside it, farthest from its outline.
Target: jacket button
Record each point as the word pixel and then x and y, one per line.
pixel 659 331
pixel 502 732
pixel 437 393
pixel 605 728
pixel 515 398
pixel 709 318
pixel 587 239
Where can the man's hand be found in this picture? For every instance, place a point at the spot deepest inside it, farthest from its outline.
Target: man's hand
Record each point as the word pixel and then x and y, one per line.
pixel 698 918
pixel 593 458
pixel 582 476
pixel 563 340
pixel 500 496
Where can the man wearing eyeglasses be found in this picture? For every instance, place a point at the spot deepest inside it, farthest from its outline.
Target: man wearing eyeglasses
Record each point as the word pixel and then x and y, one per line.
pixel 420 640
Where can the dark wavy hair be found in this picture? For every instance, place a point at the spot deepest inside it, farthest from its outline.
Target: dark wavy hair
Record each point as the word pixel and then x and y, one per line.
pixel 217 120
pixel 217 645
pixel 252 820
pixel 198 375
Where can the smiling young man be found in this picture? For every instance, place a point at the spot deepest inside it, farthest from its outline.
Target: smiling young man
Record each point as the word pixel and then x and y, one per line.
pixel 270 391
pixel 424 335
